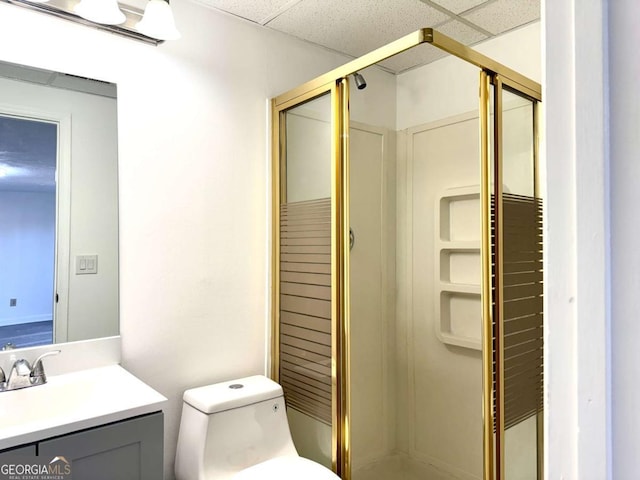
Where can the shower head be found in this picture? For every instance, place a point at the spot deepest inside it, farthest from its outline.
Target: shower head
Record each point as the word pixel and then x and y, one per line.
pixel 361 83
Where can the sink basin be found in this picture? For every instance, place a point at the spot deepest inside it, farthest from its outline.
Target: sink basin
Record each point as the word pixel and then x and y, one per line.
pixel 74 401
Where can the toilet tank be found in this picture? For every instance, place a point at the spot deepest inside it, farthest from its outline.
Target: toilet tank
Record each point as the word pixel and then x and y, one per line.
pixel 230 426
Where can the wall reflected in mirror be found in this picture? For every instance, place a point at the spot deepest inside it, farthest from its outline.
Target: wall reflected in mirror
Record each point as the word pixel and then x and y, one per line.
pixel 58 208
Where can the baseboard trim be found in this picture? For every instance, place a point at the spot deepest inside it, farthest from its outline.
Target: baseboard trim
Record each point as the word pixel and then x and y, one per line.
pixel 44 317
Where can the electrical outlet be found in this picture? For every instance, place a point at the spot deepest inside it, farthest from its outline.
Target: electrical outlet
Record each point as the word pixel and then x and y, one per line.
pixel 13 302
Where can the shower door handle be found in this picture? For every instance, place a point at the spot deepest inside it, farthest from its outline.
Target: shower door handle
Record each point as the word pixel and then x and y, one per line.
pixel 352 239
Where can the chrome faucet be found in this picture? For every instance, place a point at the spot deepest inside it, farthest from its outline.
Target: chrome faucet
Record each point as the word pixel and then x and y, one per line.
pixel 22 375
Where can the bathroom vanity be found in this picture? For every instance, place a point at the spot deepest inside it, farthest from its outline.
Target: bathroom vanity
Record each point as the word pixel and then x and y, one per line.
pixel 104 421
pixel 130 449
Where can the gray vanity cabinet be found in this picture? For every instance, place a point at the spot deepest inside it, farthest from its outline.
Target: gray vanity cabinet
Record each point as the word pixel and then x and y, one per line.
pixel 7 456
pixel 127 450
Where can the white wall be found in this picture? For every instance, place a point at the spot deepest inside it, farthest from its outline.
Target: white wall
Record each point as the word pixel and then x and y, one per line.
pixel 194 184
pixel 577 304
pixel 26 265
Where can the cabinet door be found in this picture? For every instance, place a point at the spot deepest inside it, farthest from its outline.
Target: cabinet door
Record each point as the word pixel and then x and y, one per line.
pixel 128 450
pixel 7 455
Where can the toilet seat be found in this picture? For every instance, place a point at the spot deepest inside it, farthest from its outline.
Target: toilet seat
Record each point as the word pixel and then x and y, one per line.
pixel 287 468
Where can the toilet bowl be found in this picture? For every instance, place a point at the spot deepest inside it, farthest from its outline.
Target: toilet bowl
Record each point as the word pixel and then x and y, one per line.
pixel 239 430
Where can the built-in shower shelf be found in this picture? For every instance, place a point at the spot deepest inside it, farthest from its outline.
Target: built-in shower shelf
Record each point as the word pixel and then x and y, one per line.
pixel 458 308
pixel 460 245
pixel 460 288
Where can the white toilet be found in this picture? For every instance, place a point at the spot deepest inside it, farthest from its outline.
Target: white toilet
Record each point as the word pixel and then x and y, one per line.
pixel 239 429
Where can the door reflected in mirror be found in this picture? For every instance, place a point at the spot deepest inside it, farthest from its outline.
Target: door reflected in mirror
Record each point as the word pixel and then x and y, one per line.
pixel 58 208
pixel 28 217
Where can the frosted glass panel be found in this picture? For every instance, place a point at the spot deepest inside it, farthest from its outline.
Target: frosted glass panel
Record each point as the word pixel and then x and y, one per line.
pixel 305 278
pixel 522 292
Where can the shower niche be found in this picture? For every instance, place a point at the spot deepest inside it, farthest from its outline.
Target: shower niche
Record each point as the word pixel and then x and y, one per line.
pixel 458 313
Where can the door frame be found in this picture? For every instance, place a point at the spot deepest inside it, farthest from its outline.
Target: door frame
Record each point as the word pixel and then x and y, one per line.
pixel 60 294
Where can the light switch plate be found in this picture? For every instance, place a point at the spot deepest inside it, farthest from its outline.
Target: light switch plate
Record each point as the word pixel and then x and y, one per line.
pixel 86 264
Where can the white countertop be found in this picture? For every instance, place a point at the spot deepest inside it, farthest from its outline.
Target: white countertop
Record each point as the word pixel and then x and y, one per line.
pixel 74 401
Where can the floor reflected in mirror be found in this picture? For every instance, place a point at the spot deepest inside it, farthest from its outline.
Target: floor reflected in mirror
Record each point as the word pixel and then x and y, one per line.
pixel 27 334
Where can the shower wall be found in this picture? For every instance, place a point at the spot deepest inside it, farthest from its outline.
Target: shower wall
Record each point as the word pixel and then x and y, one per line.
pixel 439 309
pixel 372 269
pixel 372 291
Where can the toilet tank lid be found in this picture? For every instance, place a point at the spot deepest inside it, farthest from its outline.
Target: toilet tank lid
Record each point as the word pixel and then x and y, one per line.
pixel 232 394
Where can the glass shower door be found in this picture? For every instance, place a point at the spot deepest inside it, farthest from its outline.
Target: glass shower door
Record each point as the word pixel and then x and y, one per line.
pixel 516 285
pixel 398 346
pixel 415 295
pixel 304 317
pixel 522 291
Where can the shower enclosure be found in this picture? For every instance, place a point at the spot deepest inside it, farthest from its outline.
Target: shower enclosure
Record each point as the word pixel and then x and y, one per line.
pixel 407 266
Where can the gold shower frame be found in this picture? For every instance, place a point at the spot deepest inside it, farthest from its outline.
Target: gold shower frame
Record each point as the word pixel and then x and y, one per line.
pixel 335 83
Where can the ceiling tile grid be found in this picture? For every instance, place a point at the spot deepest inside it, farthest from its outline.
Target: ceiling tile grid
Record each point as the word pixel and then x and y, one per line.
pixel 256 11
pixel 462 32
pixel 458 6
pixel 356 27
pixel 500 16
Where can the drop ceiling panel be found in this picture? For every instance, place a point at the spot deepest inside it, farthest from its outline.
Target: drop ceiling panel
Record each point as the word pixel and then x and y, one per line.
pixel 356 27
pixel 458 6
pixel 420 55
pixel 461 32
pixel 502 15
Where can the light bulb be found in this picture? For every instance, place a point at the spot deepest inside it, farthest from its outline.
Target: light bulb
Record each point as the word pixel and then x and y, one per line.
pixel 158 21
pixel 105 12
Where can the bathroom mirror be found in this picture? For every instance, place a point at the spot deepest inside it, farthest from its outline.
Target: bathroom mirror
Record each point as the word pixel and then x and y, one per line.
pixel 58 207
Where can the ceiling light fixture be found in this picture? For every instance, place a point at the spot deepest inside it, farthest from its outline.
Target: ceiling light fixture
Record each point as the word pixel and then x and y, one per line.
pixel 105 12
pixel 158 21
pixel 153 26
